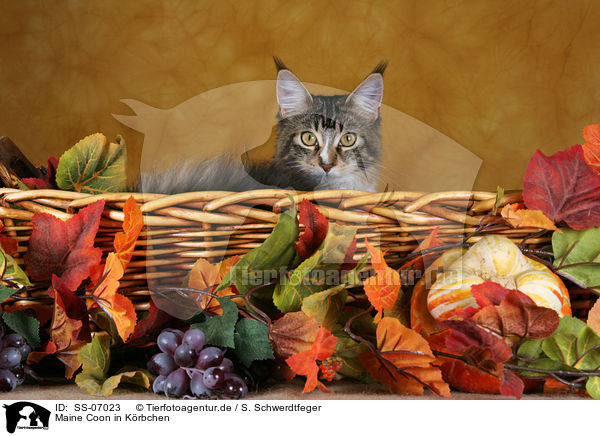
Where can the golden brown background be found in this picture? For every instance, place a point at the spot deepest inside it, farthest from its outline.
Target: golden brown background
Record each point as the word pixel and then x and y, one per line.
pixel 501 78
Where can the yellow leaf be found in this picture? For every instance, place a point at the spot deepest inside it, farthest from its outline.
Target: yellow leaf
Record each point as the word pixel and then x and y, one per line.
pixel 519 217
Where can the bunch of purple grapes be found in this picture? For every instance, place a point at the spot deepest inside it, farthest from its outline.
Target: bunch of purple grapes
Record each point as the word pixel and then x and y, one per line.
pixel 186 366
pixel 13 353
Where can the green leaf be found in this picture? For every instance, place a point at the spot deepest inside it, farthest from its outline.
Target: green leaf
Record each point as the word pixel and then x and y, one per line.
pixel 326 306
pixel 95 357
pixel 219 330
pixel 531 349
pixel 543 363
pixel 348 350
pixel 26 326
pixel 318 272
pixel 573 247
pixel 11 271
pixel 262 264
pixel 6 292
pixel 575 344
pixel 95 361
pixel 93 166
pixel 499 195
pixel 252 341
pixel 592 387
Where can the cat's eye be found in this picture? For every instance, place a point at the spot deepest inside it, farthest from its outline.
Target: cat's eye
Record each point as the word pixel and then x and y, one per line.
pixel 308 139
pixel 347 139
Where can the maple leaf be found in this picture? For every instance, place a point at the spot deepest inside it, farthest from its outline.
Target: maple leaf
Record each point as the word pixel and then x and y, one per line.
pixel 207 276
pixel 381 289
pixel 117 306
pixel 64 248
pixel 70 328
pixel 305 362
pixel 316 226
pixel 403 361
pixel 133 222
pixel 49 179
pixel 518 217
pixel 564 187
pixel 591 148
pixel 293 333
pixel 594 317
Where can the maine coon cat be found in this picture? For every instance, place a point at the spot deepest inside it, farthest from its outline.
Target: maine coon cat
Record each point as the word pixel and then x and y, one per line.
pixel 323 142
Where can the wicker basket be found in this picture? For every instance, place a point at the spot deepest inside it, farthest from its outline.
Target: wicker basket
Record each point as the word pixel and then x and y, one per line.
pixel 214 224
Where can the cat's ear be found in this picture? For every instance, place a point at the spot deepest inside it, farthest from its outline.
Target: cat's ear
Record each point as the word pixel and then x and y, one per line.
pixel 367 96
pixel 292 96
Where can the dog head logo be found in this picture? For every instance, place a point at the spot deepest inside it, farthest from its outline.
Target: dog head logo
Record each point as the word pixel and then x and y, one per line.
pixel 26 415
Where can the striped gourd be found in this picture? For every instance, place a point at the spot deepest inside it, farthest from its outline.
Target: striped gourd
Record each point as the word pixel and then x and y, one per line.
pixel 497 259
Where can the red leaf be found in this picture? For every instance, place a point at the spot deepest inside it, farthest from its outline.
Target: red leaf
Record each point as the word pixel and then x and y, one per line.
pixel 316 229
pixel 430 241
pixel 147 329
pixel 305 362
pixel 8 244
pixel 511 385
pixel 564 187
pixel 466 336
pixel 64 248
pixel 489 293
pixel 49 179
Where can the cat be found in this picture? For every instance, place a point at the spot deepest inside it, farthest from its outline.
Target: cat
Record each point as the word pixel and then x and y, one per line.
pixel 323 142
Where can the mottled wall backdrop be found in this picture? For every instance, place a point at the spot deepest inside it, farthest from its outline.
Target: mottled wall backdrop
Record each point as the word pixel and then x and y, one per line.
pixel 500 78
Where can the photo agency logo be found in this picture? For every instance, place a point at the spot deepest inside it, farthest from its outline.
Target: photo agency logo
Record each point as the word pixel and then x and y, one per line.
pixel 26 416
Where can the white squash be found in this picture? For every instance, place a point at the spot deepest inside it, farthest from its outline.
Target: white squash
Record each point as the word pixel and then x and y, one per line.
pixel 497 259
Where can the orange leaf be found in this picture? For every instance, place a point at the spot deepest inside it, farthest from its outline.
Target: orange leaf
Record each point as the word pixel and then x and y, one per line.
pixel 591 148
pixel 206 276
pixel 403 360
pixel 519 217
pixel 305 362
pixel 132 225
pixel 382 288
pixel 594 317
pixel 429 242
pixel 118 307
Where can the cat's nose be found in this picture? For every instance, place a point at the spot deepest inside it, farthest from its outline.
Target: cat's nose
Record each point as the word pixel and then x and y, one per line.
pixel 326 167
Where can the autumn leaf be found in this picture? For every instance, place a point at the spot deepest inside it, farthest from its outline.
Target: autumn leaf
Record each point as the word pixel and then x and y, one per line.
pixel 326 306
pixel 8 244
pixel 305 362
pixel 117 306
pixel 133 222
pixel 591 148
pixel 594 317
pixel 514 317
pixel 93 166
pixel 403 361
pixel 293 333
pixel 518 217
pixel 95 361
pixel 564 187
pixel 381 289
pixel 70 328
pixel 316 226
pixel 49 179
pixel 146 329
pixel 430 241
pixel 206 276
pixel 64 248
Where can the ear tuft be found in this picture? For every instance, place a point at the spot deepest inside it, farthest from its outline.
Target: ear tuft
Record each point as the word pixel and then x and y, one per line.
pixel 367 96
pixel 292 96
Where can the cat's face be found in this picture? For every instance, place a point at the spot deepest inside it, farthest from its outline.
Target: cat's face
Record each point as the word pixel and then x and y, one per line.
pixel 333 140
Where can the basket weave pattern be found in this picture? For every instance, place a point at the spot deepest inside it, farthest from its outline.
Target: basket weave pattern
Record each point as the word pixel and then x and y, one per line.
pixel 214 224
